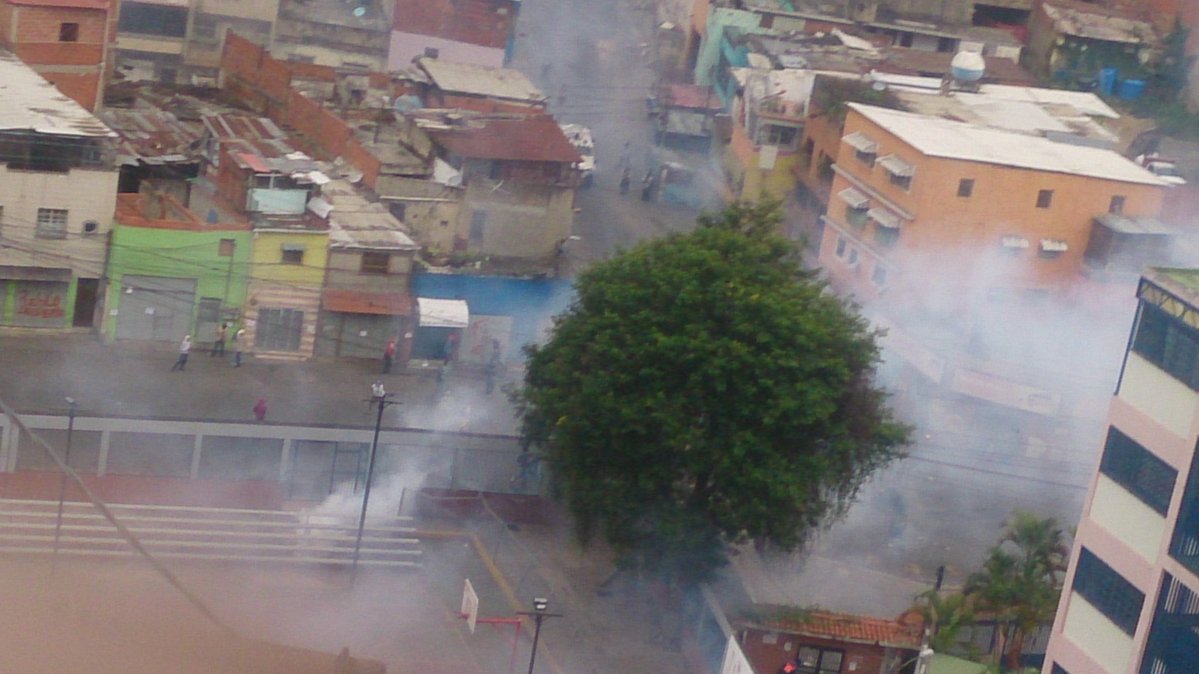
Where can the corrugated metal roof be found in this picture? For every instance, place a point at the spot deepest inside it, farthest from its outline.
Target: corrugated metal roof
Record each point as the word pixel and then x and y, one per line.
pixel 355 222
pixel 520 139
pixel 153 136
pixel 478 80
pixel 72 4
pixel 1098 23
pixel 956 140
pixel 29 103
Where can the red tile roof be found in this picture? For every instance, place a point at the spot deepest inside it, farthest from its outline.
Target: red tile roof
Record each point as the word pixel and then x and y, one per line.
pixel 522 139
pixel 361 302
pixel 482 22
pixel 850 628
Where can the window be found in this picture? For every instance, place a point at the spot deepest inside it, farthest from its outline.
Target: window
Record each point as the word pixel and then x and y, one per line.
pixel 279 329
pixel 1051 249
pixel 375 263
pixel 68 32
pixel 1058 669
pixel 204 27
pixel 148 19
pixel 1138 470
pixel 853 257
pixel 1104 588
pixel 866 157
pixel 1184 546
pixel 1169 344
pixel 1173 643
pixel 856 216
pixel 225 247
pixel 51 223
pixel 813 660
pixel 301 58
pixel 899 172
pixel 785 137
pixel 1044 198
pixel 1116 205
pixel 965 187
pixel 292 254
pixel 885 236
pixel 879 276
pixel 840 252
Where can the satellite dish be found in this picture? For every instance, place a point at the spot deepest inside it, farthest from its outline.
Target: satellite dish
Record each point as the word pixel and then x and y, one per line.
pixel 968 66
pixel 359 12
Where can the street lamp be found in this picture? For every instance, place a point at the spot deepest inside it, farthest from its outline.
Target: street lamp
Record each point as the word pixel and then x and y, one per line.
pixel 538 614
pixel 379 397
pixel 72 406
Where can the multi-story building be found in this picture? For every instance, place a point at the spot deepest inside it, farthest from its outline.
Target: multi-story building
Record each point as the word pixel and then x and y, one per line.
pixel 334 33
pixel 180 41
pixel 68 42
pixel 1131 598
pixel 366 299
pixel 173 273
pixel 480 32
pixel 921 200
pixel 58 188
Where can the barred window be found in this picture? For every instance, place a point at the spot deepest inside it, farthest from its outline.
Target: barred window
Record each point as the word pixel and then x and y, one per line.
pixel 1108 591
pixel 51 223
pixel 1138 470
pixel 1169 344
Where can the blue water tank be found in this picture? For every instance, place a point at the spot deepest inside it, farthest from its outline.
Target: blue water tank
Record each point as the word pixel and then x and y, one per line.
pixel 1131 90
pixel 1107 81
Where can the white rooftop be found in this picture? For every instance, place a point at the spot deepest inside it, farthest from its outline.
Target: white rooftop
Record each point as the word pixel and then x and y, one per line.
pixel 355 222
pixel 480 80
pixel 30 103
pixel 937 137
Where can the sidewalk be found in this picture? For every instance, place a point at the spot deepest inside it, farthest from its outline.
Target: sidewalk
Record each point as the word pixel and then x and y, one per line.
pixel 135 379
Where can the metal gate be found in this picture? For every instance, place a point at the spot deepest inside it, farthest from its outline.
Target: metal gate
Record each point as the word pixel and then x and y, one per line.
pixel 155 308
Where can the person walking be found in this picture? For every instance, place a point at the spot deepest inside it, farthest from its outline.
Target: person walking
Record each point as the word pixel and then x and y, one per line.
pixel 218 346
pixel 260 409
pixel 493 365
pixel 389 355
pixel 239 339
pixel 451 342
pixel 185 348
pixel 625 179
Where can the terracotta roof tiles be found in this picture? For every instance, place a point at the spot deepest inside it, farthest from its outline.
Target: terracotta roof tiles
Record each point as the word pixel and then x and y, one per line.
pixel 845 627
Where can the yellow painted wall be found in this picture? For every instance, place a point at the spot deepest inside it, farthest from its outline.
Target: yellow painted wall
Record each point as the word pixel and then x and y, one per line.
pixel 266 258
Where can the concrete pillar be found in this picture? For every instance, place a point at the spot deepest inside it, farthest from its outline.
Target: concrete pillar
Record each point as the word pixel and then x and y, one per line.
pixel 199 442
pixel 102 460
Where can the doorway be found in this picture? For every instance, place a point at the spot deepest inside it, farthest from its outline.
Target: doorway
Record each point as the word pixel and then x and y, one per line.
pixel 86 290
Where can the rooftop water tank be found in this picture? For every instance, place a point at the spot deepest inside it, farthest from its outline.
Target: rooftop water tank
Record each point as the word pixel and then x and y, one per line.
pixel 967 66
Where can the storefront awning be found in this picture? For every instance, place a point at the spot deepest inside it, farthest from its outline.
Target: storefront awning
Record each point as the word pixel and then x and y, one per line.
pixel 438 313
pixel 854 198
pixel 884 218
pixel 15 273
pixel 357 302
pixel 1054 246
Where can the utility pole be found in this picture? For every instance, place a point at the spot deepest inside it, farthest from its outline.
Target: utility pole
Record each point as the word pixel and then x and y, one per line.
pixel 72 406
pixel 538 614
pixel 381 398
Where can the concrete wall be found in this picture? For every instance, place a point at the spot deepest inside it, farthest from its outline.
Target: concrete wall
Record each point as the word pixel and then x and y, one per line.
pixel 344 271
pixel 522 220
pixel 76 68
pixel 957 233
pixel 146 251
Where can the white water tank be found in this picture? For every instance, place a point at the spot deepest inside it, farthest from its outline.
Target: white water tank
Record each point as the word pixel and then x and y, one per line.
pixel 967 66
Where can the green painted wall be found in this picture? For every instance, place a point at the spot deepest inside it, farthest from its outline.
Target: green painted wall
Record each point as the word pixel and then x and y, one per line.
pixel 709 51
pixel 148 251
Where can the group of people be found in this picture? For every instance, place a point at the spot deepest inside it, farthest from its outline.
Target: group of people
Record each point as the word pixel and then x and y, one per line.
pixel 218 347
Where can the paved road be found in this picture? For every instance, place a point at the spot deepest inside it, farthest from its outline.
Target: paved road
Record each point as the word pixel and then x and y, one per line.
pixel 594 60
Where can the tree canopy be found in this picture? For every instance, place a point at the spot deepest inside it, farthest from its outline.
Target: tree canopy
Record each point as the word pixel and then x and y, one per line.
pixel 704 388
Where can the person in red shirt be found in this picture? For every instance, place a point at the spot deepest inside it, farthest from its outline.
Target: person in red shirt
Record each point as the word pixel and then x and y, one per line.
pixel 260 409
pixel 389 355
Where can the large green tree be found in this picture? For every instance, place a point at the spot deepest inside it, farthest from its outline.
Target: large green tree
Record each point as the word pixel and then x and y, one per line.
pixel 705 388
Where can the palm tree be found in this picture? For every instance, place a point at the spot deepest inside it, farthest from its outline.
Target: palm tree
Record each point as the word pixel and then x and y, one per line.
pixel 945 614
pixel 1021 579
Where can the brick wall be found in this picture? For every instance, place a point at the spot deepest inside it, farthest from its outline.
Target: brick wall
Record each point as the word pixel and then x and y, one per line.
pixel 42 24
pixel 79 87
pixel 250 74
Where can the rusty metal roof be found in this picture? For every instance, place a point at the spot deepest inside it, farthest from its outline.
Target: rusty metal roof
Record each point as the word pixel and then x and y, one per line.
pixel 1099 23
pixel 533 138
pixel 363 302
pixel 30 103
pixel 848 628
pixel 153 136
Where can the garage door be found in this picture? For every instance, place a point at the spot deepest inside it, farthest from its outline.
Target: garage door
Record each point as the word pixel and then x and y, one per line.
pixel 155 308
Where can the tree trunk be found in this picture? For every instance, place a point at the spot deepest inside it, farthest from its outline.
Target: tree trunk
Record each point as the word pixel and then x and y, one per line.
pixel 1017 648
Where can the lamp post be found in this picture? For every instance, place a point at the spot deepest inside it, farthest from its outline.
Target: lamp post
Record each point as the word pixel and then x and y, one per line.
pixel 538 614
pixel 72 406
pixel 379 397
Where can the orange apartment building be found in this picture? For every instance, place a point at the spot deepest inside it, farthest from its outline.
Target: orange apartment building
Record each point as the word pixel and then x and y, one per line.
pixel 68 42
pixel 919 201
